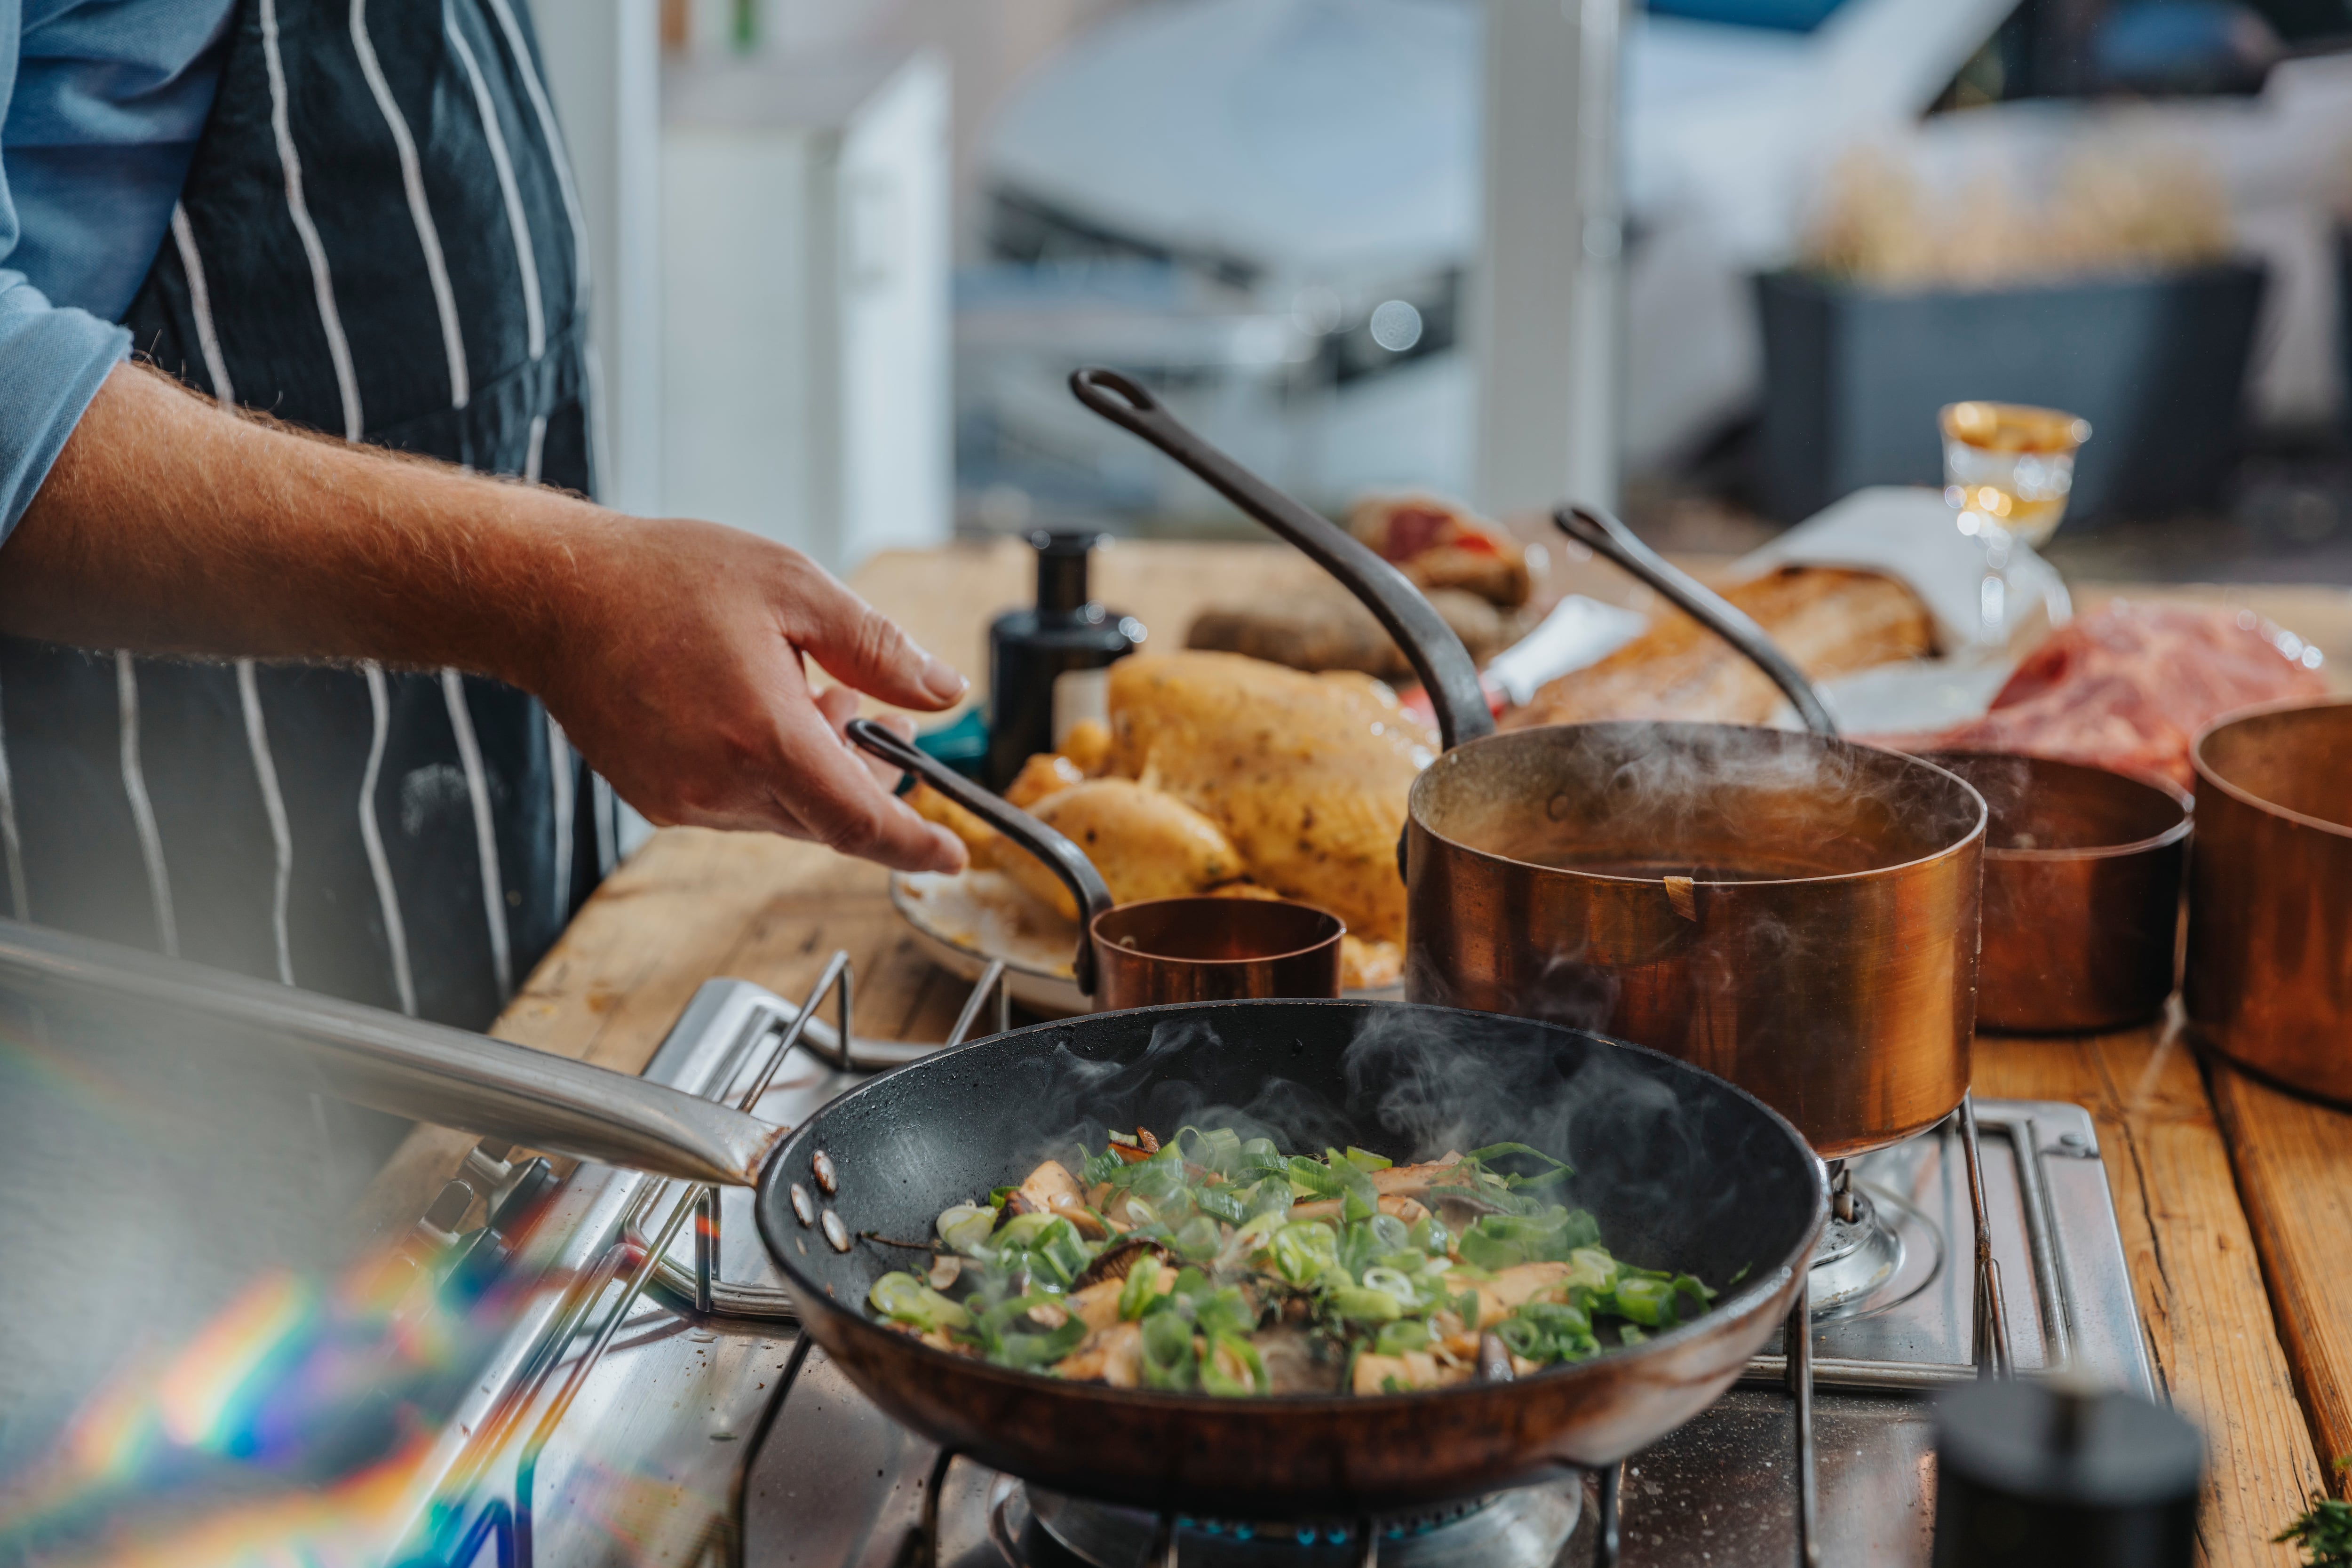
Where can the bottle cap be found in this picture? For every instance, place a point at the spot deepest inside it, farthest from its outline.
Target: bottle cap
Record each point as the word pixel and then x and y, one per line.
pixel 1061 560
pixel 2059 1471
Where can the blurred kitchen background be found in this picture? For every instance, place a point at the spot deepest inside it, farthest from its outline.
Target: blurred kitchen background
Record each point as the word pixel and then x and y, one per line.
pixel 1714 261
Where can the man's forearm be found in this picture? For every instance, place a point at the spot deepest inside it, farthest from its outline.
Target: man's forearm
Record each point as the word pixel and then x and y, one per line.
pixel 169 526
pixel 669 649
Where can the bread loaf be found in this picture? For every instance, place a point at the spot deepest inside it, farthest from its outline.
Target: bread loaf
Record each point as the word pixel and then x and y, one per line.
pixel 1830 621
pixel 1326 627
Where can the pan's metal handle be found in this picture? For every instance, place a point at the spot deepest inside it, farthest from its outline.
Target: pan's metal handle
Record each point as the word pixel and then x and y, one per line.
pixel 1061 857
pixel 1446 670
pixel 1591 527
pixel 411 1067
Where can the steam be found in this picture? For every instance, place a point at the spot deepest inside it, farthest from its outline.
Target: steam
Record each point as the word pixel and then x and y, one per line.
pixel 1078 1100
pixel 1733 803
pixel 1664 1159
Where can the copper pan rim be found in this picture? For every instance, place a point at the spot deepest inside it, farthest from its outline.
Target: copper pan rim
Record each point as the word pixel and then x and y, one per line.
pixel 1339 929
pixel 2210 1043
pixel 1958 846
pixel 2206 774
pixel 2164 786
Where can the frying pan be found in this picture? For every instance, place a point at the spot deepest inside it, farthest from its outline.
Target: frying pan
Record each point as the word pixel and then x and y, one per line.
pixel 1793 911
pixel 1680 1168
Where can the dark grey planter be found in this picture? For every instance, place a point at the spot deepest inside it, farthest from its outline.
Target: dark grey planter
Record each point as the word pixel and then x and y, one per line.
pixel 1853 376
pixel 2343 332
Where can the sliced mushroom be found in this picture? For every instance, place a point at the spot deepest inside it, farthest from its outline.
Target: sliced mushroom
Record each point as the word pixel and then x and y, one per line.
pixel 1112 1355
pixel 1297 1361
pixel 1409 1210
pixel 1051 1189
pixel 1414 1181
pixel 1117 1260
pixel 1460 1207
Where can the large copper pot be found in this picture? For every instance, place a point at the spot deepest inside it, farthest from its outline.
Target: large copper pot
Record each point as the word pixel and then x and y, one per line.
pixel 1796 913
pixel 2269 976
pixel 1793 911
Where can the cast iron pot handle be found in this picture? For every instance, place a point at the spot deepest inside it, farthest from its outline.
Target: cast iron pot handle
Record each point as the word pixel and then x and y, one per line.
pixel 1593 527
pixel 1445 666
pixel 1062 858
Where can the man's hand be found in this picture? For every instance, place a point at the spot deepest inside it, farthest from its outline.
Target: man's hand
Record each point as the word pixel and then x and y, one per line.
pixel 672 652
pixel 680 677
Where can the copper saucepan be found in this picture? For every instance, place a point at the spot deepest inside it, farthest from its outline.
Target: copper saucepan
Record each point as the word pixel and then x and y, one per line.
pixel 2082 891
pixel 2269 977
pixel 1155 950
pixel 1793 911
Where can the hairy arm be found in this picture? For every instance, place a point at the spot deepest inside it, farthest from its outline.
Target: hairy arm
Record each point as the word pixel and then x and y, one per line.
pixel 670 651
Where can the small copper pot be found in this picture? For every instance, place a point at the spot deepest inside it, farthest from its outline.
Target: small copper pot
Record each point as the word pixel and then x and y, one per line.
pixel 2082 892
pixel 1215 950
pixel 2269 981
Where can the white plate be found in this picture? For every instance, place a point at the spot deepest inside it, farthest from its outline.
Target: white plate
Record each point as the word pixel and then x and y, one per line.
pixel 966 922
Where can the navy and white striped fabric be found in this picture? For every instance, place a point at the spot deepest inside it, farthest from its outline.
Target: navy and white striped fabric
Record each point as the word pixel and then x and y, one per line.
pixel 379 239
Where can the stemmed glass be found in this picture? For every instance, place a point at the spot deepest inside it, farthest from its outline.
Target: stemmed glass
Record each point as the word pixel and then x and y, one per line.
pixel 2008 468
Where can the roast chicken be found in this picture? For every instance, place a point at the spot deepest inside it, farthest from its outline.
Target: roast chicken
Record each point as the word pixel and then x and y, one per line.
pixel 1147 844
pixel 1305 773
pixel 1224 774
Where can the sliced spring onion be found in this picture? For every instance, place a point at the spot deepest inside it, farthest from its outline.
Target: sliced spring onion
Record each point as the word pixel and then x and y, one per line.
pixel 966 1228
pixel 1232 1366
pixel 1141 1290
pixel 1362 1304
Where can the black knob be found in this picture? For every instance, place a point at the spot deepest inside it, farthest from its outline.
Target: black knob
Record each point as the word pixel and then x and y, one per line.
pixel 2033 1473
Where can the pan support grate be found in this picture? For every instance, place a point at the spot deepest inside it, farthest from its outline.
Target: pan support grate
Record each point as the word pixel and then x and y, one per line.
pixel 777 1029
pixel 766 1030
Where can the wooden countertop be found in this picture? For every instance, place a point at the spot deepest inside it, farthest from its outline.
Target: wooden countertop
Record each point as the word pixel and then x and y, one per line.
pixel 2235 1200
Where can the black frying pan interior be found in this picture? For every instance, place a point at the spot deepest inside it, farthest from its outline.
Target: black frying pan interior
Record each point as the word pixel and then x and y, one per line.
pixel 1682 1170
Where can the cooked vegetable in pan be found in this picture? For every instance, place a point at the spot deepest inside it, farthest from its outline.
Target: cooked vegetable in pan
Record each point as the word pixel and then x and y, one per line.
pixel 1215 1263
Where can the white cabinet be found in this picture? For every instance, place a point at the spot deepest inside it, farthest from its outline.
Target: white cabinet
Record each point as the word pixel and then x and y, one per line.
pixel 804 244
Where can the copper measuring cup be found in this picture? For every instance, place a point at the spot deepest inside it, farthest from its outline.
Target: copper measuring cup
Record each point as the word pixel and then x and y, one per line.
pixel 1141 954
pixel 2082 891
pixel 2269 981
pixel 1215 950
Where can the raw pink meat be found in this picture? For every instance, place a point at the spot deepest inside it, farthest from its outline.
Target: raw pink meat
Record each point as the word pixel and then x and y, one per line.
pixel 2129 686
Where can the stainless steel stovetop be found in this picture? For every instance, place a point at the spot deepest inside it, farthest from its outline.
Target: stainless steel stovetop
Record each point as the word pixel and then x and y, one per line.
pixel 617 1424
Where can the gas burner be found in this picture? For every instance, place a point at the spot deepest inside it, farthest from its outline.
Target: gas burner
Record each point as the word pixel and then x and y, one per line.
pixel 1882 1256
pixel 776 1460
pixel 1523 1529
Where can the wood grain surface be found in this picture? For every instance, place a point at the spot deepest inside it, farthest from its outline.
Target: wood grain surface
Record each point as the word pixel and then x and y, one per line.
pixel 2293 1160
pixel 690 906
pixel 2209 1331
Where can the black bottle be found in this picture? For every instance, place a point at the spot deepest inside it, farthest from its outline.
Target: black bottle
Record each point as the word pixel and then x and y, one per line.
pixel 2033 1474
pixel 1028 650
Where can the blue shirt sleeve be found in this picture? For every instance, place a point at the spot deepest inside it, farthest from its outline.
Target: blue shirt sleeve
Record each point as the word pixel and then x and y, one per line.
pixel 52 358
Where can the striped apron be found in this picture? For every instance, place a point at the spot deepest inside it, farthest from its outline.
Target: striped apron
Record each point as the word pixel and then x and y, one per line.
pixel 378 239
